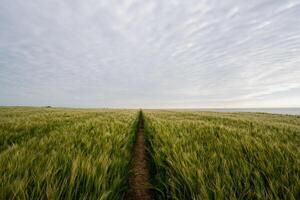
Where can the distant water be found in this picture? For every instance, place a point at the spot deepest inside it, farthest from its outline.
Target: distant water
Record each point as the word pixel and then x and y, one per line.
pixel 289 111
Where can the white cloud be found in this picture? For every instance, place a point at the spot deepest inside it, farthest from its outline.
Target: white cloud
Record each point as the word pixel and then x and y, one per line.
pixel 149 53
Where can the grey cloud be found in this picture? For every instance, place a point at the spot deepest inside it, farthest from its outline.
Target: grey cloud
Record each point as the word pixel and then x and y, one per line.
pixel 149 53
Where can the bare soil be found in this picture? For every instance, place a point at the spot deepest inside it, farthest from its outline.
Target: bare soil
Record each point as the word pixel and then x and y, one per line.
pixel 139 179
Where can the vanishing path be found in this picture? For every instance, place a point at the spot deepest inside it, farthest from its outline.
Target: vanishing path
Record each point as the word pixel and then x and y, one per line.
pixel 139 179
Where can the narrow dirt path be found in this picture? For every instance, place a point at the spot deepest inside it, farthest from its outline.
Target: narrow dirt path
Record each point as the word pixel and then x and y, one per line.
pixel 139 179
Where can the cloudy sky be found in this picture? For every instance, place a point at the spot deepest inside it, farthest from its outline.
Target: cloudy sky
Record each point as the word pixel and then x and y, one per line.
pixel 150 53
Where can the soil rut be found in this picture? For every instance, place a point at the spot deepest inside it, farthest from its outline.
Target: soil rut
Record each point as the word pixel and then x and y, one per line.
pixel 139 179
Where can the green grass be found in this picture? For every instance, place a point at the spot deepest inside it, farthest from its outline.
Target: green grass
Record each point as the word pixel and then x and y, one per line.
pixel 65 153
pixel 56 153
pixel 224 156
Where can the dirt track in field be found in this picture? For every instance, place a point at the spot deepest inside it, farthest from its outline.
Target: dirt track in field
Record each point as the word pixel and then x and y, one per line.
pixel 139 179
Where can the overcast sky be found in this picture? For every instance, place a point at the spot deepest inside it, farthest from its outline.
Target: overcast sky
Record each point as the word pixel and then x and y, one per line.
pixel 150 53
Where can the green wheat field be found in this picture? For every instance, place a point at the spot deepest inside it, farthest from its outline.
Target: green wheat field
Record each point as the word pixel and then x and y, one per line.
pixel 56 153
